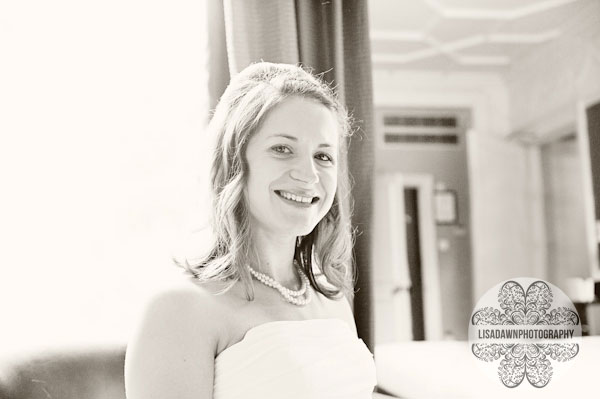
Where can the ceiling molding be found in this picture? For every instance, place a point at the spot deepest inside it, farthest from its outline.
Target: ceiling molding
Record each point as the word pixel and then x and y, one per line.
pixel 504 38
pixel 497 15
pixel 450 49
pixel 490 60
pixel 397 35
pixel 524 38
pixel 467 36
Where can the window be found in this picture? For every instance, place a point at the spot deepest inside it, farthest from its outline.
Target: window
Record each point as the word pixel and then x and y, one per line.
pixel 102 161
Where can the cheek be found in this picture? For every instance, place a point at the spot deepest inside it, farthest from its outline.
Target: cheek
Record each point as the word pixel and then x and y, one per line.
pixel 257 191
pixel 330 185
pixel 332 178
pixel 255 179
pixel 250 193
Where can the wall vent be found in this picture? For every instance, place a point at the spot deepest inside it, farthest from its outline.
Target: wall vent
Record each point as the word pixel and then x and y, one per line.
pixel 422 128
pixel 421 138
pixel 423 121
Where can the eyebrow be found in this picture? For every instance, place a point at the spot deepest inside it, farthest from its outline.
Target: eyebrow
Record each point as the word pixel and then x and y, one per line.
pixel 287 136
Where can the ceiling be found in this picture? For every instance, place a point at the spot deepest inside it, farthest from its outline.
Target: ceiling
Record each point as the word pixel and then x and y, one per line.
pixel 465 34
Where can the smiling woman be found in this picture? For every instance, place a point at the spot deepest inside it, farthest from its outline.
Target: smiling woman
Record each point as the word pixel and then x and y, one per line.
pixel 281 216
pixel 292 177
pixel 277 130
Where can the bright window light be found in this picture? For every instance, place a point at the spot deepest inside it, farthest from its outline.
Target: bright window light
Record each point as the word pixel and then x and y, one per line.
pixel 102 160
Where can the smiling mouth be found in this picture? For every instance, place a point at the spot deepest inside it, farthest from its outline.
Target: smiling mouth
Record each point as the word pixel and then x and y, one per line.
pixel 297 198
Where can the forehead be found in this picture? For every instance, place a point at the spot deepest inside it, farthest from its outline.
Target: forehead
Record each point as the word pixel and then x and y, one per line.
pixel 303 118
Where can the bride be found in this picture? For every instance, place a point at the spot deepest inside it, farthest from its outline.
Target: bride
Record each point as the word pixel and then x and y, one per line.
pixel 266 311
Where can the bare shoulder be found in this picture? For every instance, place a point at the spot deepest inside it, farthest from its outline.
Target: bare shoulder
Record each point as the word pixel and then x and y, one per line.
pixel 186 308
pixel 188 292
pixel 186 301
pixel 338 307
pixel 176 340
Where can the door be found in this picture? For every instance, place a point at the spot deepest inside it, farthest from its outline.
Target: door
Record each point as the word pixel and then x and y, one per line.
pixel 413 254
pixel 405 294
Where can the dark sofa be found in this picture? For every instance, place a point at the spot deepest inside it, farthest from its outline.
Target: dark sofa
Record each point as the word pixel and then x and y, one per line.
pixel 90 372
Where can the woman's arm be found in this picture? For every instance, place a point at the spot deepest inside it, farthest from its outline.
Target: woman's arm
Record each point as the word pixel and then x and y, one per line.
pixel 171 355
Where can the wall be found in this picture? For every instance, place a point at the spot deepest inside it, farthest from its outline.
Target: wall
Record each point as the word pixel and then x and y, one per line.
pixel 505 192
pixel 535 101
pixel 449 167
pixel 545 85
pixel 549 90
pixel 564 210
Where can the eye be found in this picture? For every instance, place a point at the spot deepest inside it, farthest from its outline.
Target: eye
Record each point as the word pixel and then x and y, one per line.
pixel 281 149
pixel 324 157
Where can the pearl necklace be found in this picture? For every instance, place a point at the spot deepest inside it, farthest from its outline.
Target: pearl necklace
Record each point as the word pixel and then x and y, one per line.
pixel 291 296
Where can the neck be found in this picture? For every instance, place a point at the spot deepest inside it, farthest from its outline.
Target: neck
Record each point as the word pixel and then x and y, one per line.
pixel 275 257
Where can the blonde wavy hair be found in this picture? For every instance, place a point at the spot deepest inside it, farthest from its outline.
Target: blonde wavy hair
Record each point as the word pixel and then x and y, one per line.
pixel 243 106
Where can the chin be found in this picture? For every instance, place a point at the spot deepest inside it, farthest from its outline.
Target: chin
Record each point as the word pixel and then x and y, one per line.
pixel 299 229
pixel 294 224
pixel 305 232
pixel 309 229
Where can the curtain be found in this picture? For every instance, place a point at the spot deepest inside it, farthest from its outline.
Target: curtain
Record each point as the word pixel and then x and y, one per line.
pixel 330 37
pixel 335 40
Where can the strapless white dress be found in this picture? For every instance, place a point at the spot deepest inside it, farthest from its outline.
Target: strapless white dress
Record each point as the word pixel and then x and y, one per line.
pixel 308 359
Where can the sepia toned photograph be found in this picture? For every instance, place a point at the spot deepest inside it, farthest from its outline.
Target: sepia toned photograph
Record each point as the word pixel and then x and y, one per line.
pixel 316 199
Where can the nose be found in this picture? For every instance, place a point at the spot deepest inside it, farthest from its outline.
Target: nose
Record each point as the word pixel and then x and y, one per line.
pixel 305 171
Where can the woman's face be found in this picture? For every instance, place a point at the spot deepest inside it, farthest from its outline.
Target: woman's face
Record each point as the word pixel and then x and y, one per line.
pixel 293 165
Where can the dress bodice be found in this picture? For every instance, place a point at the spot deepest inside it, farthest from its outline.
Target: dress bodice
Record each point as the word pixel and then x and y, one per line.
pixel 316 358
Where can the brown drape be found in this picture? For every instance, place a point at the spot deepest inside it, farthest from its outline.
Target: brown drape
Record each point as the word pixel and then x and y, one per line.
pixel 321 39
pixel 334 38
pixel 330 37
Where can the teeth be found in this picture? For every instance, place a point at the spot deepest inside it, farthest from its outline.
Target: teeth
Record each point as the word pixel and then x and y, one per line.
pixel 297 198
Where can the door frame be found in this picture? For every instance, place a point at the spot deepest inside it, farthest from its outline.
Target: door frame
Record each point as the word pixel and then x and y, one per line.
pixel 424 185
pixel 593 231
